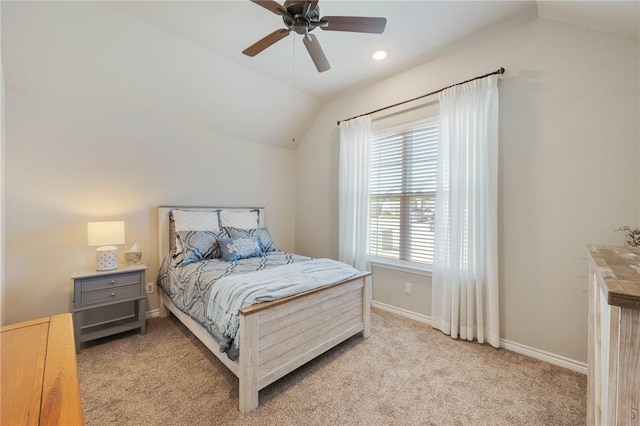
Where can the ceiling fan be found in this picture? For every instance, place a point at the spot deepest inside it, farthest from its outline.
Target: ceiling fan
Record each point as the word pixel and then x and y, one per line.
pixel 303 16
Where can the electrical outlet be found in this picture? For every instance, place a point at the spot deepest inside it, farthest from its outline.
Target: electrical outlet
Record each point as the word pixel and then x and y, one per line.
pixel 149 287
pixel 407 288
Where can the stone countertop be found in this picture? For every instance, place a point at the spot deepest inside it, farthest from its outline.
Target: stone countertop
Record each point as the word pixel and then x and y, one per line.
pixel 618 269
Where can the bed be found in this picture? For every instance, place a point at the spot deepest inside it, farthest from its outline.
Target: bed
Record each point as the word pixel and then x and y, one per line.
pixel 305 325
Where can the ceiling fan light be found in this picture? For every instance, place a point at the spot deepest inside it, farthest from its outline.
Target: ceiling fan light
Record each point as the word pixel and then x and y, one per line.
pixel 379 55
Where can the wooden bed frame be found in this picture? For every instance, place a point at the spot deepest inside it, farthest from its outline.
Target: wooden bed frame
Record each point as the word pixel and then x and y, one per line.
pixel 278 337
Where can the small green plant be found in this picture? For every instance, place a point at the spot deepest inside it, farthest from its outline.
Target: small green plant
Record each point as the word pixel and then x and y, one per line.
pixel 632 236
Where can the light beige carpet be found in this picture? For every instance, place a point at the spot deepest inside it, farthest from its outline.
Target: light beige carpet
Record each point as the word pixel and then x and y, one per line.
pixel 406 373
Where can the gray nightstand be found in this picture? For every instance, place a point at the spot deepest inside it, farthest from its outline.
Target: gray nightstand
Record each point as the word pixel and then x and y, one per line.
pixel 103 288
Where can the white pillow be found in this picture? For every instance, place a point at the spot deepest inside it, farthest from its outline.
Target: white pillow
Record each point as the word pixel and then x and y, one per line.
pixel 239 219
pixel 193 220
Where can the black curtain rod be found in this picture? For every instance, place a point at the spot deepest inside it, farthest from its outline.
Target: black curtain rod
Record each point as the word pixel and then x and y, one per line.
pixel 500 71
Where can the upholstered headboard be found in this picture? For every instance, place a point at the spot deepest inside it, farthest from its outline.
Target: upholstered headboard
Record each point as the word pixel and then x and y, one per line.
pixel 164 235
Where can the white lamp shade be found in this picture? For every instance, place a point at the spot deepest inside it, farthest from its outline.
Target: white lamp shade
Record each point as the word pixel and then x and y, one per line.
pixel 105 233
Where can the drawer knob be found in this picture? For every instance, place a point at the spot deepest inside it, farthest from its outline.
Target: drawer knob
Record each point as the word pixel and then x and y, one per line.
pixel 113 294
pixel 112 282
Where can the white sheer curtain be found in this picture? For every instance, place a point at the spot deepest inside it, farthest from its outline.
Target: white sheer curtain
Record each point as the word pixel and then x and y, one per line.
pixel 353 202
pixel 465 275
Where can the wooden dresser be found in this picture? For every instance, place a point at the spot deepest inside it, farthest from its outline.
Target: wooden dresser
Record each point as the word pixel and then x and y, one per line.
pixel 614 336
pixel 39 375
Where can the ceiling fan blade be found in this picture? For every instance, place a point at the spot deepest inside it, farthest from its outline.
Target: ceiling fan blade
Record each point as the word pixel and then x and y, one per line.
pixel 315 51
pixel 266 41
pixel 357 24
pixel 272 6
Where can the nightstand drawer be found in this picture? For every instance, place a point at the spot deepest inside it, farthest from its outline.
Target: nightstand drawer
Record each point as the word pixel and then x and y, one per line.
pixel 99 283
pixel 113 295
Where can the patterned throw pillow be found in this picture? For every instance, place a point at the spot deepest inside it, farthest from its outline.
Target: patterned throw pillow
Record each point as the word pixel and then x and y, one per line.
pixel 262 233
pixel 240 248
pixel 193 246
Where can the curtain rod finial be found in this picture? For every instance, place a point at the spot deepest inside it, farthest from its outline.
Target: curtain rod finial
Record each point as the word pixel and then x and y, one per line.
pixel 501 70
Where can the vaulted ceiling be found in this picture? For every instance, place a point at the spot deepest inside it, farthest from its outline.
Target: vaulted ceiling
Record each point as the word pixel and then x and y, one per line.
pixel 181 61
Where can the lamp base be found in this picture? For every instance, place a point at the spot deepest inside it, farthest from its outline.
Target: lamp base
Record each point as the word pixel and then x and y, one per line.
pixel 106 258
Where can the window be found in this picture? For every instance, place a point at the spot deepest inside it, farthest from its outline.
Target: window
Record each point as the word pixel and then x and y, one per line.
pixel 403 194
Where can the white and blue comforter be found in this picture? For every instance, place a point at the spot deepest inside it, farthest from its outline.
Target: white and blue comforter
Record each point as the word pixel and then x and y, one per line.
pixel 212 291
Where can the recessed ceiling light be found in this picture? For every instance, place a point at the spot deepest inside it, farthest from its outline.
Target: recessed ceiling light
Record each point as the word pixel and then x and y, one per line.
pixel 379 55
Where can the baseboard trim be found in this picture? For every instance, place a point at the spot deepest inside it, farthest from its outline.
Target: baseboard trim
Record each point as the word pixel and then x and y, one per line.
pixel 402 312
pixel 155 313
pixel 573 365
pixel 561 361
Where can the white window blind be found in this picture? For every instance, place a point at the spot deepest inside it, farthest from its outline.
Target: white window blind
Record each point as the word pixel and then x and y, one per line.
pixel 403 193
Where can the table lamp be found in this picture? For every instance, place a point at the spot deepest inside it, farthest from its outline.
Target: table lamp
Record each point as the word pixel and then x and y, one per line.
pixel 106 235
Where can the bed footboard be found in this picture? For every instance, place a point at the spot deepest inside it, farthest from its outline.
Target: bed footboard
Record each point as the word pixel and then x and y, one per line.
pixel 278 337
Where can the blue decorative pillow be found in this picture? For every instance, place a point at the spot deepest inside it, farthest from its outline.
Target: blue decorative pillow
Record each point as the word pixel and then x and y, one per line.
pixel 262 233
pixel 193 246
pixel 240 248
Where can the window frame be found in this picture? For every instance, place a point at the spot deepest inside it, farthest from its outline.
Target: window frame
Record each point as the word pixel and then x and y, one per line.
pixel 401 264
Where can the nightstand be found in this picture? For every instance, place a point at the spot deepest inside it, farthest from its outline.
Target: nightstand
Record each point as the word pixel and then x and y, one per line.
pixel 98 289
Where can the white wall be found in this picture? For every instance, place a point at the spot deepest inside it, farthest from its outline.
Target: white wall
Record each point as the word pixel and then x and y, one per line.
pixel 68 163
pixel 568 170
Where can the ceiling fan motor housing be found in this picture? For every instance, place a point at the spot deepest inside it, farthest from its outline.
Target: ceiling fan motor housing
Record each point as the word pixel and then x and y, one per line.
pixel 297 19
